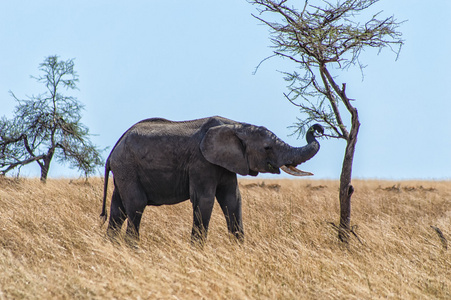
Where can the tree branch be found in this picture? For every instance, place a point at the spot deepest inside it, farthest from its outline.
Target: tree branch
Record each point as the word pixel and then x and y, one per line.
pixel 340 92
pixel 333 103
pixel 259 64
pixel 21 163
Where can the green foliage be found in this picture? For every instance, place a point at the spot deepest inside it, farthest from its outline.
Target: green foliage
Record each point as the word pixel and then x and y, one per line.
pixel 318 37
pixel 48 125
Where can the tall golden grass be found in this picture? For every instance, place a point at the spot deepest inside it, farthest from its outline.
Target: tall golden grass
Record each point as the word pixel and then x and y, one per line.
pixel 53 247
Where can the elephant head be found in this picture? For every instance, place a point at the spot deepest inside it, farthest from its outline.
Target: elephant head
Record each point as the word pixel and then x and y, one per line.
pixel 248 150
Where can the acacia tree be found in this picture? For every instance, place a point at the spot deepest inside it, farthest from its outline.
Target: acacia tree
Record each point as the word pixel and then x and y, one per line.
pixel 320 38
pixel 48 125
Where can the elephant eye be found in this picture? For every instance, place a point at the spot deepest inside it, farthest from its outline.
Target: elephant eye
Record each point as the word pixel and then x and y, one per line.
pixel 267 148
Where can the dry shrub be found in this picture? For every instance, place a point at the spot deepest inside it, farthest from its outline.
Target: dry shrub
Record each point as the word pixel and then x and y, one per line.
pixel 52 245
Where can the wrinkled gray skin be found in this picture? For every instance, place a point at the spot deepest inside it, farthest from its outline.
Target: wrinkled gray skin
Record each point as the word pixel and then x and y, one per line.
pixel 159 162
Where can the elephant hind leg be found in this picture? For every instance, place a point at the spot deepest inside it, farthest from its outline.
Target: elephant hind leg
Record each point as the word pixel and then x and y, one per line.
pixel 135 201
pixel 128 204
pixel 133 223
pixel 117 215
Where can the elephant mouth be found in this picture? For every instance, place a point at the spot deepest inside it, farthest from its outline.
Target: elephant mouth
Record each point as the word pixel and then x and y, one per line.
pixel 292 170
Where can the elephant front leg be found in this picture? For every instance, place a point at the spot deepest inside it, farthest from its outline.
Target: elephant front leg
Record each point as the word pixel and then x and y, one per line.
pixel 229 198
pixel 202 209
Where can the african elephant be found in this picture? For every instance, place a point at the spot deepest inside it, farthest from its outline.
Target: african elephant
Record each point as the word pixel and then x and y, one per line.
pixel 158 162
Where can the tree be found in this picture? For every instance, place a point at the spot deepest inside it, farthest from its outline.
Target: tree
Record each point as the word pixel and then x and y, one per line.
pixel 320 38
pixel 48 125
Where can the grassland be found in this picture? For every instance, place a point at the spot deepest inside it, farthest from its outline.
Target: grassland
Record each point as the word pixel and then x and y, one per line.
pixel 53 247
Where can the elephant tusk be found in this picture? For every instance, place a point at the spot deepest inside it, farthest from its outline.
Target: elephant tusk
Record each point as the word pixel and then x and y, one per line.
pixel 294 171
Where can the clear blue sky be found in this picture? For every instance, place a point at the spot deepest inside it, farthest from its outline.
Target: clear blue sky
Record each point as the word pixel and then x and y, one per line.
pixel 183 60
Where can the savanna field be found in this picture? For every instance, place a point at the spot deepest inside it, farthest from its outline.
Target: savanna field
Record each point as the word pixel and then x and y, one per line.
pixel 54 247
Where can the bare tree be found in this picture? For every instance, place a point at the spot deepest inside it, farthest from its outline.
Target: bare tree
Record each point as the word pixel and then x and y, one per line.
pixel 321 37
pixel 48 125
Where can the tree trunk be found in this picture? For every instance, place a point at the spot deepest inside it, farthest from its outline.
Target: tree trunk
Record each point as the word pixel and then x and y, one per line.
pixel 45 169
pixel 45 166
pixel 346 189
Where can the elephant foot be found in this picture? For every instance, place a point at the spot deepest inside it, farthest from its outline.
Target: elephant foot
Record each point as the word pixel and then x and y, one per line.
pixel 113 235
pixel 132 243
pixel 197 244
pixel 238 237
pixel 198 238
pixel 132 240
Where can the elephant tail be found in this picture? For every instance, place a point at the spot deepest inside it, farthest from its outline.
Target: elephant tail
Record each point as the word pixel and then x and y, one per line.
pixel 103 215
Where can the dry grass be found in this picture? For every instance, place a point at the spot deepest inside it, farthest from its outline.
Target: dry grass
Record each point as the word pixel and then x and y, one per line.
pixel 53 247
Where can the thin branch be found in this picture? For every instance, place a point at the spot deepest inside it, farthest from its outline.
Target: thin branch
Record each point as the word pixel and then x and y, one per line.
pixel 259 64
pixel 6 140
pixel 287 56
pixel 333 103
pixel 340 92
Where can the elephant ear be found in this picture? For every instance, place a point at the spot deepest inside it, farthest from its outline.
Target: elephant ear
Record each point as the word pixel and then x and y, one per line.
pixel 221 146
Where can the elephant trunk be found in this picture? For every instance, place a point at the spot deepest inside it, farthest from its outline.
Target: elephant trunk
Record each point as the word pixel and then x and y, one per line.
pixel 297 155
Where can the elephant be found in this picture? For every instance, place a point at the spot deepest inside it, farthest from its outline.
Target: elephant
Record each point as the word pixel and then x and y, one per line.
pixel 161 162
